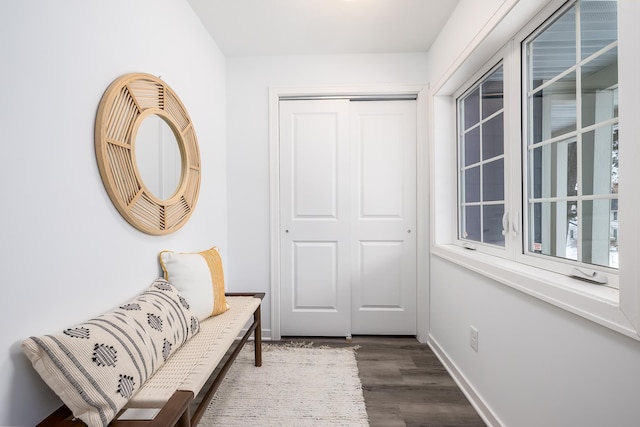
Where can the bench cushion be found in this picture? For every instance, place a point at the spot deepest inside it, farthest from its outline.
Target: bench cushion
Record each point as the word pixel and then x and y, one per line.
pixel 190 368
pixel 97 366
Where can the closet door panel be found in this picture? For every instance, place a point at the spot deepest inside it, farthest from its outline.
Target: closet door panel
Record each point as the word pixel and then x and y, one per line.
pixel 315 290
pixel 383 167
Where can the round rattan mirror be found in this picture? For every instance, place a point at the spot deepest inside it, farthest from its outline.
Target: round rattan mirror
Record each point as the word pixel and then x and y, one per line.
pixel 126 104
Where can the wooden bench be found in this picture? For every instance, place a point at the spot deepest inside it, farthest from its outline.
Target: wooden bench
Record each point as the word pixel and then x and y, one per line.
pixel 192 371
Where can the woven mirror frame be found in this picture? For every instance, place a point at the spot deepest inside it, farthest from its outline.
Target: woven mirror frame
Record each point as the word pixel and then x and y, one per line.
pixel 125 104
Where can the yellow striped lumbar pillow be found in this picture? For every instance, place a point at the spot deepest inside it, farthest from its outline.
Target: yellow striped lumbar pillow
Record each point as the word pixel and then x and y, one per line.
pixel 199 278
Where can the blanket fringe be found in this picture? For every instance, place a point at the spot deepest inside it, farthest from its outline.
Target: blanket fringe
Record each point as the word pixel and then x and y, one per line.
pixel 300 344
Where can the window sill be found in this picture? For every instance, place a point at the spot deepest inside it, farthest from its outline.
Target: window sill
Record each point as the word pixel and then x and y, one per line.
pixel 599 304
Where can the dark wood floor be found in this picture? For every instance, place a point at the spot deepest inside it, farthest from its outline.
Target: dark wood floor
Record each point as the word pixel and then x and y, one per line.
pixel 405 384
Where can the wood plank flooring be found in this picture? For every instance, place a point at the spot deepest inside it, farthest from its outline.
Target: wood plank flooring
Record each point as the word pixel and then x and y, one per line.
pixel 404 383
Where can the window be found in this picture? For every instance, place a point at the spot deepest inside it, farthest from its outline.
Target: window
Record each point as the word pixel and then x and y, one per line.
pixel 571 135
pixel 481 161
pixel 566 104
pixel 557 207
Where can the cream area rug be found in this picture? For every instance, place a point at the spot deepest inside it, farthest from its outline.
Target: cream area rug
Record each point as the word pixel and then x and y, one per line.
pixel 297 385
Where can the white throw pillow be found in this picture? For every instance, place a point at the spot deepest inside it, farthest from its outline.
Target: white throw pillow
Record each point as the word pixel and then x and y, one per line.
pixel 199 277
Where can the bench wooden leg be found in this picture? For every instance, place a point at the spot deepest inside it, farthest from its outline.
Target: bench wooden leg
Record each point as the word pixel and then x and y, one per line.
pixel 257 337
pixel 185 420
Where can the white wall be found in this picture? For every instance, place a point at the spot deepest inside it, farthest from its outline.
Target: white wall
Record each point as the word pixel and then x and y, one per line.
pixel 537 365
pixel 248 82
pixel 66 253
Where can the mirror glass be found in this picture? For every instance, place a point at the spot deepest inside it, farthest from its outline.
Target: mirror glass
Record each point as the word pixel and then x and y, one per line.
pixel 158 157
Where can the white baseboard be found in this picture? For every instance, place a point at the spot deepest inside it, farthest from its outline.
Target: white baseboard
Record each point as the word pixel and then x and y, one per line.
pixel 266 334
pixel 469 391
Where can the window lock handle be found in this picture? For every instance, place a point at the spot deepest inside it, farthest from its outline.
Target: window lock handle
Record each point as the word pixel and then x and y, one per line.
pixel 515 225
pixel 505 223
pixel 589 276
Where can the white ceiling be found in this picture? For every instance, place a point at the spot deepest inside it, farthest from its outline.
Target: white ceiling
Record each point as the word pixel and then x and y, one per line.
pixel 299 27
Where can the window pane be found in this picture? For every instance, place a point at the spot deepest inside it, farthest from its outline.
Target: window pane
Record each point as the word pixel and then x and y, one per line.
pixel 492 220
pixel 472 185
pixel 600 88
pixel 554 50
pixel 598 25
pixel 614 162
pixel 472 146
pixel 471 109
pixel 471 223
pixel 572 230
pixel 556 170
pixel 553 109
pixel 581 164
pixel 493 181
pixel 600 161
pixel 535 228
pixel 613 239
pixel 556 229
pixel 492 94
pixel 493 137
pixel 481 153
pixel 600 233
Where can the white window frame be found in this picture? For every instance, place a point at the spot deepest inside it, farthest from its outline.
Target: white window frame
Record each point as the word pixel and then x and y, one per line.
pixel 549 262
pixel 491 66
pixel 616 309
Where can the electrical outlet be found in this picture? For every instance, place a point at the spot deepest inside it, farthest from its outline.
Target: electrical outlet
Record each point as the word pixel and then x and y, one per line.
pixel 474 338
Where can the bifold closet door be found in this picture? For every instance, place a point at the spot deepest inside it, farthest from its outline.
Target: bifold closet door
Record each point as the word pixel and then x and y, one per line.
pixel 347 217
